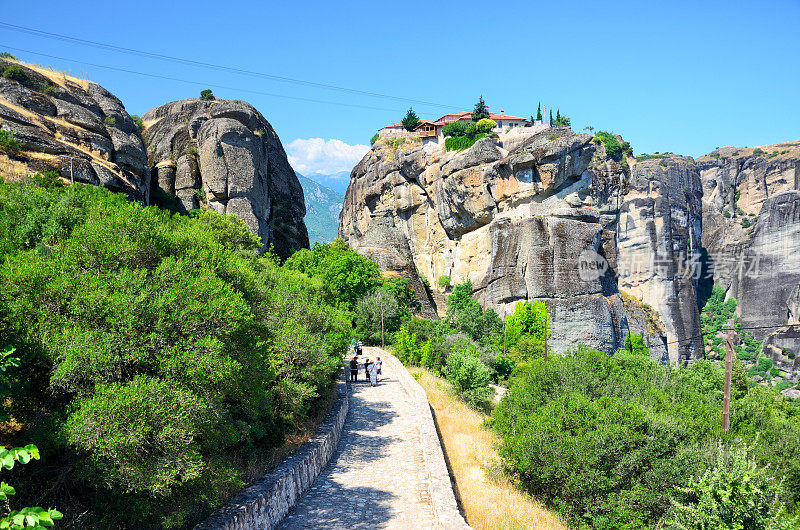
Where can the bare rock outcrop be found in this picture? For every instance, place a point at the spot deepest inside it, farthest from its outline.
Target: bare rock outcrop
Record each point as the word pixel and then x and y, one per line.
pixel 226 156
pixel 72 126
pixel 751 218
pixel 535 216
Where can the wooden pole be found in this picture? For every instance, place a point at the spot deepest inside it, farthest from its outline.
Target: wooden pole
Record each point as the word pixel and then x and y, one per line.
pixel 546 332
pixel 383 345
pixel 726 400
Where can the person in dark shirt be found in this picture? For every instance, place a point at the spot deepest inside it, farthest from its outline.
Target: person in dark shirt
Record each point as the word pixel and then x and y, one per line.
pixel 353 369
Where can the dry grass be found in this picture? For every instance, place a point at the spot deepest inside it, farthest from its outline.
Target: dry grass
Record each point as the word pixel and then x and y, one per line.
pixel 487 495
pixel 12 170
pixel 56 76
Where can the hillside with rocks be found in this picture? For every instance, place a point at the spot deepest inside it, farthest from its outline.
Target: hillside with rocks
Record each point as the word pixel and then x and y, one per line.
pixel 520 215
pixel 225 155
pixel 322 210
pixel 71 126
pixel 751 232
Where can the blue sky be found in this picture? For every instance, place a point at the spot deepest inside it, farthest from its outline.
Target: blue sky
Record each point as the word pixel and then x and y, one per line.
pixel 672 76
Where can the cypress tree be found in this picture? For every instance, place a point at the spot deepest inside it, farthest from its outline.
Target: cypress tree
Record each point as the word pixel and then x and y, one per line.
pixel 539 111
pixel 551 118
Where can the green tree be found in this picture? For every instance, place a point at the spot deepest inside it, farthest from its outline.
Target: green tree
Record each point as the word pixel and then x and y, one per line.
pixel 480 111
pixel 539 111
pixel 374 139
pixel 469 375
pixel 373 307
pixel 552 122
pixel 634 343
pixel 207 95
pixel 411 120
pixel 531 319
pixel 485 125
pixel 444 282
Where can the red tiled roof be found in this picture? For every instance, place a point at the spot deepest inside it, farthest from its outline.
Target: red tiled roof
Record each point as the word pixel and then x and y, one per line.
pixel 496 117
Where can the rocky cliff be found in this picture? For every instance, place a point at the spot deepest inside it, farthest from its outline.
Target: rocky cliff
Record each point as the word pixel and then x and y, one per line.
pixel 226 156
pixel 71 126
pixel 751 216
pixel 539 216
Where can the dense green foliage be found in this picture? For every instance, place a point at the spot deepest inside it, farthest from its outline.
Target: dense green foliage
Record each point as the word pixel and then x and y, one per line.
pixel 714 318
pixel 539 111
pixel 374 139
pixel 138 121
pixel 207 94
pixel 410 120
pixel 9 144
pixel 460 143
pixel 485 125
pixel 160 355
pixel 737 492
pixel 526 331
pixel 559 121
pixel 613 146
pixel 608 440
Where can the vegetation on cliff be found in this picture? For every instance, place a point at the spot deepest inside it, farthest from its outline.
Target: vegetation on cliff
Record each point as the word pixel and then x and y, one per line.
pixel 162 359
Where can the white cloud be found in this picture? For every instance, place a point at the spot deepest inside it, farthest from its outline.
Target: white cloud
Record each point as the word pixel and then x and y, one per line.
pixel 317 155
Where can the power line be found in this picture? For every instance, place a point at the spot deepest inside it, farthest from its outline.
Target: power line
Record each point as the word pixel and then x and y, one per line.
pixel 231 69
pixel 156 76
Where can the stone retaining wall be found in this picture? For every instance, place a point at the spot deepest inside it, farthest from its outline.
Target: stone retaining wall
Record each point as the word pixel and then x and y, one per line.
pixel 445 507
pixel 266 503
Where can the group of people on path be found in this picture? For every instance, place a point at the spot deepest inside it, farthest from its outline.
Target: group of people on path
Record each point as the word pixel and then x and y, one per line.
pixel 372 369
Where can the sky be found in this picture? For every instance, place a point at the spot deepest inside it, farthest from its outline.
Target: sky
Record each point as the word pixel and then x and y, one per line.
pixel 683 77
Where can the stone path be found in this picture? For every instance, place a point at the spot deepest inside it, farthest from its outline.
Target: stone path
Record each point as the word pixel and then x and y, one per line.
pixel 376 479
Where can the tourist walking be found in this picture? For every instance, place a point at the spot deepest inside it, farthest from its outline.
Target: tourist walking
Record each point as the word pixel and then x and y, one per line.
pixel 353 369
pixel 372 369
pixel 378 366
pixel 366 369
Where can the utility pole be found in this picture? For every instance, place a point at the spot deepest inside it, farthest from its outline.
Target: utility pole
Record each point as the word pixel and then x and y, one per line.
pixel 505 336
pixel 383 345
pixel 726 400
pixel 546 332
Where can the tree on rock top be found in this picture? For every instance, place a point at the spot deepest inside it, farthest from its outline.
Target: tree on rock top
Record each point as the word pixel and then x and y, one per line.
pixel 481 111
pixel 539 111
pixel 207 95
pixel 411 120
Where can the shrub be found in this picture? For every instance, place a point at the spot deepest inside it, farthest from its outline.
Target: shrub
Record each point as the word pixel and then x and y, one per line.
pixel 726 213
pixel 16 73
pixel 49 89
pixel 6 55
pixel 746 223
pixel 460 143
pixel 110 121
pixel 735 153
pixel 207 95
pixel 138 121
pixel 485 125
pixel 758 151
pixel 612 145
pixel 374 139
pixel 737 492
pixel 444 282
pixel 455 128
pixel 469 375
pixel 715 156
pixel 9 144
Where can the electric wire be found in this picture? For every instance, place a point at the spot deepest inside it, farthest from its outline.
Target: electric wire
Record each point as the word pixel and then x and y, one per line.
pixel 212 66
pixel 198 83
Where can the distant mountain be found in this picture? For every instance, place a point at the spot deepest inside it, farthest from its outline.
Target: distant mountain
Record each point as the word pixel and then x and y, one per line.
pixel 322 210
pixel 338 182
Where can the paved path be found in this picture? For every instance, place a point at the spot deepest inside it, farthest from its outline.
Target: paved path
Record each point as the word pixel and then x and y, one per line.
pixel 376 479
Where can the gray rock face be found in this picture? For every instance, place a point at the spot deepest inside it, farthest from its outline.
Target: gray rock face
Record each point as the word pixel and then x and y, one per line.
pixel 74 127
pixel 226 156
pixel 751 219
pixel 522 217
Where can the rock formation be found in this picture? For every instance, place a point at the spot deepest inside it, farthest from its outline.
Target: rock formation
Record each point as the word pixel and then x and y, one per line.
pixel 71 126
pixel 751 217
pixel 225 154
pixel 537 216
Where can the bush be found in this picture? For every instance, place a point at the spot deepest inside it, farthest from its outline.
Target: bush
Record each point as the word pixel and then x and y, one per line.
pixel 139 122
pixel 374 139
pixel 737 492
pixel 485 125
pixel 461 143
pixel 758 151
pixel 207 95
pixel 746 223
pixel 49 89
pixel 9 144
pixel 455 128
pixel 612 145
pixel 444 282
pixel 110 121
pixel 160 355
pixel 6 55
pixel 469 375
pixel 16 73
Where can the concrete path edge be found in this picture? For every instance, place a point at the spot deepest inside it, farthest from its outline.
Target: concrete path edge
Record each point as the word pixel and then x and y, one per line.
pixel 445 507
pixel 266 503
